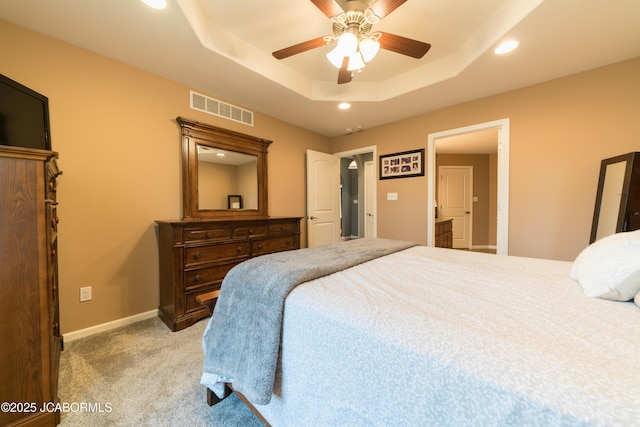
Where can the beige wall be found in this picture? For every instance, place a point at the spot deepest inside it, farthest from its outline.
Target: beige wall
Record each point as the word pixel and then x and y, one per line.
pixel 114 127
pixel 560 130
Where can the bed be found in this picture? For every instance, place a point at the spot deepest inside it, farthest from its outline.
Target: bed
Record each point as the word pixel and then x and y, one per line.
pixel 428 336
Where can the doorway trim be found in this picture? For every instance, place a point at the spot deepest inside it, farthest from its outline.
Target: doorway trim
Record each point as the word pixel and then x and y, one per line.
pixel 503 126
pixel 364 150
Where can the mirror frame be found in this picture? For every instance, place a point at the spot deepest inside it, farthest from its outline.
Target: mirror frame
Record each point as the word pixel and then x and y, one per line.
pixel 628 159
pixel 194 133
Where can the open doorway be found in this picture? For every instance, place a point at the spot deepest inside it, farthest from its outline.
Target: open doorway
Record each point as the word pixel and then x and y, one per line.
pixel 357 193
pixel 444 141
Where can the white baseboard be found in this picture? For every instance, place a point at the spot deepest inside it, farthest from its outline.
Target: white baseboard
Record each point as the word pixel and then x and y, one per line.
pixel 72 336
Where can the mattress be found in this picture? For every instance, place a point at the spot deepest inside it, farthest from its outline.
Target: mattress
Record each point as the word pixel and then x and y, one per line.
pixel 429 336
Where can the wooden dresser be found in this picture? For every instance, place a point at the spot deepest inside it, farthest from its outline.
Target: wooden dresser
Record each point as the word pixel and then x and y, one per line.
pixel 30 340
pixel 196 254
pixel 444 233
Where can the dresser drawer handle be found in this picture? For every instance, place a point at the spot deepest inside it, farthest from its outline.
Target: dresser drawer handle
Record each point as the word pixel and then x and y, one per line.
pixel 282 228
pixel 197 255
pixel 209 234
pixel 251 231
pixel 197 278
pixel 260 246
pixel 288 242
pixel 239 249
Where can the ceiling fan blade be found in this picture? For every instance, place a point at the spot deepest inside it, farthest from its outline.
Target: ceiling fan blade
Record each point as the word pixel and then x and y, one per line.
pixel 403 45
pixel 384 7
pixel 328 7
pixel 344 75
pixel 299 48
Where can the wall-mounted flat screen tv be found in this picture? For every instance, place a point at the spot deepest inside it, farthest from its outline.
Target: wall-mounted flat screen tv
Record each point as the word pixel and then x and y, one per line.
pixel 24 116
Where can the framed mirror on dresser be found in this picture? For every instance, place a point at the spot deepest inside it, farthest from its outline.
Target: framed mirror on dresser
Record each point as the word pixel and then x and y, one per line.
pixel 225 220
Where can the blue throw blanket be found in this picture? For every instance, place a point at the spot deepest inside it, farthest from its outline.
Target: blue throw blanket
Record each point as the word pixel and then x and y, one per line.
pixel 242 340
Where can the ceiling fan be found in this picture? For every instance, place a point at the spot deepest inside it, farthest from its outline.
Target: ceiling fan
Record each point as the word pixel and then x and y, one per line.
pixel 357 44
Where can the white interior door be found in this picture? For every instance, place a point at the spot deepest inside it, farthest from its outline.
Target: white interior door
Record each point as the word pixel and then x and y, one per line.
pixel 369 200
pixel 323 199
pixel 455 194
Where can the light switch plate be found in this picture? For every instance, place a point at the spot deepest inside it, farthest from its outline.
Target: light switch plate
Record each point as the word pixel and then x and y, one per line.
pixel 85 294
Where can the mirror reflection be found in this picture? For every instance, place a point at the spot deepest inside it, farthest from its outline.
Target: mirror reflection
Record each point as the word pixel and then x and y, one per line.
pixel 611 198
pixel 224 173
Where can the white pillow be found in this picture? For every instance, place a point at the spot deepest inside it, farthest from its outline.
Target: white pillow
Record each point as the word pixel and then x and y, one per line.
pixel 610 267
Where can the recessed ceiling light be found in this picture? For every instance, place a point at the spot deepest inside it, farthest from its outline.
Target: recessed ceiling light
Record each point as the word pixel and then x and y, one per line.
pixel 156 4
pixel 506 47
pixel 344 106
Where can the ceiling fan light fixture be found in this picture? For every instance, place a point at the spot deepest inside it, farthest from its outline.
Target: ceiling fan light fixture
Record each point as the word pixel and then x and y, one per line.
pixel 355 62
pixel 335 57
pixel 355 41
pixel 369 49
pixel 348 43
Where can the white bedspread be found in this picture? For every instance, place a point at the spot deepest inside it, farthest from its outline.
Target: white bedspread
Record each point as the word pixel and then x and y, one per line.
pixel 433 337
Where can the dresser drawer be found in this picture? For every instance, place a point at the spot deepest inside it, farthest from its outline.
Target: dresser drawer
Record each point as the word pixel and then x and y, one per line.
pixel 267 246
pixel 203 254
pixel 190 299
pixel 444 227
pixel 283 228
pixel 249 230
pixel 207 276
pixel 206 234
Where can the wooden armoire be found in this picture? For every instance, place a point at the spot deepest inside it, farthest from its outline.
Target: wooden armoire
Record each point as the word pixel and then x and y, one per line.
pixel 30 339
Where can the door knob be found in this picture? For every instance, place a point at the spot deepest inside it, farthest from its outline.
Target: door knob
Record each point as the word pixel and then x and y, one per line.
pixel 313 217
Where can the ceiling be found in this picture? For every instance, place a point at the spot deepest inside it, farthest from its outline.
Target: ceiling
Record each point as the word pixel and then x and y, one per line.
pixel 223 49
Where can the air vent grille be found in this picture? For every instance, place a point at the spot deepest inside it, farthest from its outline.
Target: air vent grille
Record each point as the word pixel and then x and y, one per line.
pixel 221 109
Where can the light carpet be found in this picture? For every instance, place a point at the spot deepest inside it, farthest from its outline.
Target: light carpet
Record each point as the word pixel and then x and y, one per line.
pixel 143 375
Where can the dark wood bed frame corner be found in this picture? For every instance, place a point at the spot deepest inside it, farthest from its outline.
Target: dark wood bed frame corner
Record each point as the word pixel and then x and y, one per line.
pixel 213 399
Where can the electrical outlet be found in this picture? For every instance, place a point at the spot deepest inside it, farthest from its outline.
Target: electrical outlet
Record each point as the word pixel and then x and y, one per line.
pixel 85 294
